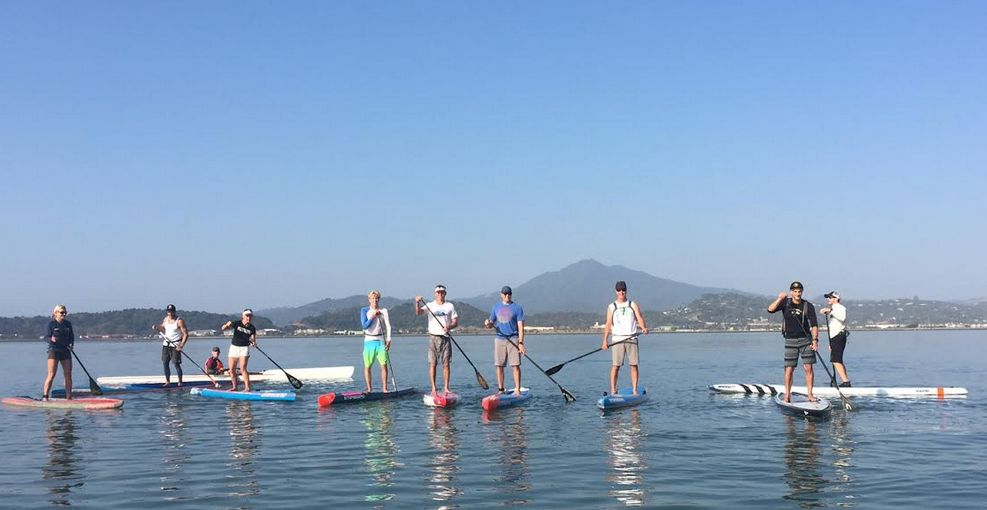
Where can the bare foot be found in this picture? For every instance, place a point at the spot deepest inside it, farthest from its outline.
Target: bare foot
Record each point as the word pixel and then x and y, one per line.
pixel 246 389
pixel 517 391
pixel 446 390
pixel 165 385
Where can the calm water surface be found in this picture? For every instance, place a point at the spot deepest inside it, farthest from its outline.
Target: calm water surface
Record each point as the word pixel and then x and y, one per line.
pixel 687 448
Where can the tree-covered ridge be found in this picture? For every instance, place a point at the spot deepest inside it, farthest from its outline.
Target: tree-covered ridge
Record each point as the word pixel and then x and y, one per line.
pixel 129 322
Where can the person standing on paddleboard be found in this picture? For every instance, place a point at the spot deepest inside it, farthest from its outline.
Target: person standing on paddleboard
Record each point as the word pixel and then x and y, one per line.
pixel 175 336
pixel 799 320
pixel 838 332
pixel 376 338
pixel 61 340
pixel 244 335
pixel 442 319
pixel 624 320
pixel 508 318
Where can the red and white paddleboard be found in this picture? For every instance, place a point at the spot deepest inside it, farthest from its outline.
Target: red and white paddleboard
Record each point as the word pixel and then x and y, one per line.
pixel 440 399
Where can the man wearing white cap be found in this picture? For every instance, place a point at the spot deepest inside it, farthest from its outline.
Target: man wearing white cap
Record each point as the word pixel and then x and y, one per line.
pixel 244 335
pixel 441 321
pixel 836 322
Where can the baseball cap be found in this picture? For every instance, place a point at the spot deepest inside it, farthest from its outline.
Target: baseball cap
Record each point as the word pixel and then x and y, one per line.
pixel 440 288
pixel 621 285
pixel 832 294
pixel 505 290
pixel 247 311
pixel 795 285
pixel 170 308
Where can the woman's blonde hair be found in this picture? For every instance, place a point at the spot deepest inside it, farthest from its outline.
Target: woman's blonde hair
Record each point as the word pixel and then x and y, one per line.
pixel 374 293
pixel 58 308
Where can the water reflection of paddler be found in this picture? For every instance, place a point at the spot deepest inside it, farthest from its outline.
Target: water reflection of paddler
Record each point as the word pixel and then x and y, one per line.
pixel 843 447
pixel 802 475
pixel 513 480
pixel 442 466
pixel 61 471
pixel 626 461
pixel 244 443
pixel 381 450
pixel 174 438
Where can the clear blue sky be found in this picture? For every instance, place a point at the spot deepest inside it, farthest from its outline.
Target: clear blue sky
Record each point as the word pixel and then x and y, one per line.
pixel 227 154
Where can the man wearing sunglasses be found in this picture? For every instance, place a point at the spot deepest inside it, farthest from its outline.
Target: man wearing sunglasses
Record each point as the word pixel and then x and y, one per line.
pixel 625 321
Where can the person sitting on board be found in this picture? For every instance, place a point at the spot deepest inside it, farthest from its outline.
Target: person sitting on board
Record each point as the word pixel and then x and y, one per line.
pixel 60 340
pixel 175 336
pixel 799 321
pixel 376 338
pixel 214 365
pixel 836 325
pixel 624 320
pixel 508 319
pixel 244 335
pixel 442 318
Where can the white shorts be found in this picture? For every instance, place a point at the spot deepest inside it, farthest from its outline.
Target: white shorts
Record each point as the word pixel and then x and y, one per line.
pixel 239 351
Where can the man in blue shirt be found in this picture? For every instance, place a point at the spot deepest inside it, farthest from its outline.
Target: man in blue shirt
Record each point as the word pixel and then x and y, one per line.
pixel 507 318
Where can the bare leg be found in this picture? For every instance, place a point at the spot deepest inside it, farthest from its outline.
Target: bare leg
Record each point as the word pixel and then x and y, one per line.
pixel 383 376
pixel 788 383
pixel 445 376
pixel 67 373
pixel 50 378
pixel 634 375
pixel 366 377
pixel 232 364
pixel 840 369
pixel 517 379
pixel 431 376
pixel 808 382
pixel 500 377
pixel 245 373
pixel 614 371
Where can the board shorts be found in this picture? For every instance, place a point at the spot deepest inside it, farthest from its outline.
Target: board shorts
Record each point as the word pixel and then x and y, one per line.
pixel 374 349
pixel 172 354
pixel 836 345
pixel 59 354
pixel 796 348
pixel 439 350
pixel 505 353
pixel 239 351
pixel 624 351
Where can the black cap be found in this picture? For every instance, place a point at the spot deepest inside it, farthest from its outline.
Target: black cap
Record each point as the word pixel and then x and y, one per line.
pixel 795 285
pixel 621 285
pixel 170 308
pixel 832 294
pixel 505 290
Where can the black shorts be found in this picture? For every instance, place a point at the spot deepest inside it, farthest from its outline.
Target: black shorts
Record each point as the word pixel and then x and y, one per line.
pixel 59 354
pixel 836 346
pixel 171 354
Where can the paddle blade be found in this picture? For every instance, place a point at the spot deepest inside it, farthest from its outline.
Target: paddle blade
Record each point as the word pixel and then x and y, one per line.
pixel 568 396
pixel 297 384
pixel 94 388
pixel 481 381
pixel 554 370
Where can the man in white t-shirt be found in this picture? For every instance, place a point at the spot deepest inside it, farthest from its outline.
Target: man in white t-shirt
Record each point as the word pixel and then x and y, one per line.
pixel 836 322
pixel 442 319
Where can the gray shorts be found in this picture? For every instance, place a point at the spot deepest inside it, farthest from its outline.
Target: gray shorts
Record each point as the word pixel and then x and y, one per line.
pixel 622 351
pixel 796 348
pixel 505 353
pixel 439 350
pixel 172 354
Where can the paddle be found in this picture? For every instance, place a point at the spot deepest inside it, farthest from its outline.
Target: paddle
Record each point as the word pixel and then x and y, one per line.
pixel 390 370
pixel 93 387
pixel 172 343
pixel 565 393
pixel 293 380
pixel 554 370
pixel 479 377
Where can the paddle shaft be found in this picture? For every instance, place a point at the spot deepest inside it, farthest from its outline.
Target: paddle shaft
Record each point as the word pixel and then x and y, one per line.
pixel 556 368
pixel 297 384
pixel 479 377
pixel 565 393
pixel 93 387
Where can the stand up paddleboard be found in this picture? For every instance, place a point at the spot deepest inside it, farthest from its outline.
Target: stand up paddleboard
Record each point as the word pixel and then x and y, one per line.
pixel 440 399
pixel 273 375
pixel 802 407
pixel 506 399
pixel 86 404
pixel 132 388
pixel 351 397
pixel 287 396
pixel 856 391
pixel 623 398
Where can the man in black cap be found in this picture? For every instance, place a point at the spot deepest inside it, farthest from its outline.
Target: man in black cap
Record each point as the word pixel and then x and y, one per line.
pixel 625 321
pixel 172 329
pixel 508 318
pixel 801 332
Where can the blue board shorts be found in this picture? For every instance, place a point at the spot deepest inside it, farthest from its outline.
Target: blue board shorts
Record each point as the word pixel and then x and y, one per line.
pixel 374 349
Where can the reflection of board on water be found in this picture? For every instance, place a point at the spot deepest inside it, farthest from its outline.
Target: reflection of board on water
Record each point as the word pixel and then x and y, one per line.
pixel 381 451
pixel 244 443
pixel 442 467
pixel 801 456
pixel 61 473
pixel 625 457
pixel 174 433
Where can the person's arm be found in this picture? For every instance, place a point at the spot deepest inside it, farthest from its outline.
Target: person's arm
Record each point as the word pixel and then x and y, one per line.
pixel 158 327
pixel 454 319
pixel 776 304
pixel 366 321
pixel 184 330
pixel 418 305
pixel 71 337
pixel 489 323
pixel 228 325
pixel 813 325
pixel 520 335
pixel 253 334
pixel 640 318
pixel 607 327
pixel 387 326
pixel 839 312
